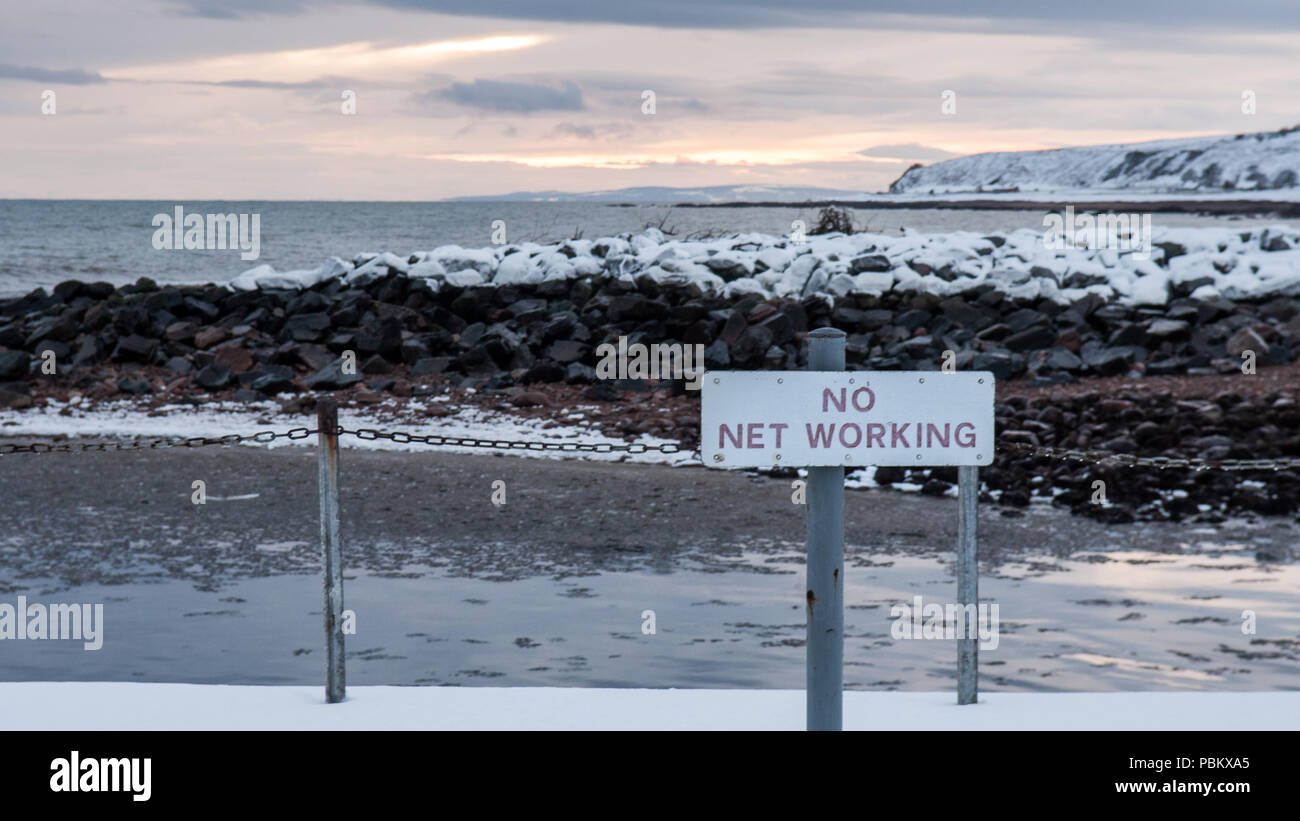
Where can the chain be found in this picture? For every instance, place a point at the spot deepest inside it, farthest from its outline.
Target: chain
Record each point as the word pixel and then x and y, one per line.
pixel 160 443
pixel 367 434
pixel 1096 457
pixel 435 440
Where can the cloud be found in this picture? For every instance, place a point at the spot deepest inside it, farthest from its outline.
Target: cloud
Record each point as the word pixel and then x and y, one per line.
pixel 907 151
pixel 593 132
pixel 510 97
pixel 308 85
pixel 734 14
pixel 235 9
pixel 354 59
pixel 68 76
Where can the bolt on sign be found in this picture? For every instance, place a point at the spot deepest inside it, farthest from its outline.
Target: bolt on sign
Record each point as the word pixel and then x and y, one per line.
pixel 827 418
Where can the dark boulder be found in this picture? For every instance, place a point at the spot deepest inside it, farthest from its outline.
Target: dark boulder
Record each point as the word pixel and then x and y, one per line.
pixel 332 378
pixel 213 377
pixel 273 379
pixel 13 365
pixel 135 348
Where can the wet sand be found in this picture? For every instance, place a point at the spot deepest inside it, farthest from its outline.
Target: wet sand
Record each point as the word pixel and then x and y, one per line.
pixel 549 588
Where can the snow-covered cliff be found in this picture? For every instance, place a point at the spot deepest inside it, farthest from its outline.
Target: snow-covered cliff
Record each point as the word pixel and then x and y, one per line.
pixel 1245 162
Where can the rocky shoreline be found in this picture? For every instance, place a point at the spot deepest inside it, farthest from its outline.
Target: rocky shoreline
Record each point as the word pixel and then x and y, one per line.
pixel 532 344
pixel 1211 418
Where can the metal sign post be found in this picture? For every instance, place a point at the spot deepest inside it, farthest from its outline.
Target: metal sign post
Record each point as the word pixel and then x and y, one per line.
pixel 327 461
pixel 826 418
pixel 968 597
pixel 825 597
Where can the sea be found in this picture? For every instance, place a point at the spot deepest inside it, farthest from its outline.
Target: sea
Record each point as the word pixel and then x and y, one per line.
pixel 44 242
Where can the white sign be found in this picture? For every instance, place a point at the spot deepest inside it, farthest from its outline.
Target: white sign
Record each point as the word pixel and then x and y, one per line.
pixel 822 418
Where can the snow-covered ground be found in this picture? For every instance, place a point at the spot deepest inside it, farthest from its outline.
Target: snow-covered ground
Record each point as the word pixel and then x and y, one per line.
pixel 125 419
pixel 132 706
pixel 1025 264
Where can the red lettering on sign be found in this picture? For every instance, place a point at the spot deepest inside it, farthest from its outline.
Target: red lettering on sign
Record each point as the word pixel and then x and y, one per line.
pixel 755 435
pixel 828 399
pixel 857 432
pixel 932 433
pixel 899 434
pixel 967 441
pixel 724 434
pixel 875 433
pixel 780 426
pixel 871 399
pixel 823 436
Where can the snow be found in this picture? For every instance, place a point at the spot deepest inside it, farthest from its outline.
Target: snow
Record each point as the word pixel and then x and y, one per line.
pixel 376 267
pixel 83 706
pixel 464 279
pixel 123 418
pixel 517 269
pixel 1152 289
pixel 264 276
pixel 1265 163
pixel 1021 264
pixel 1078 196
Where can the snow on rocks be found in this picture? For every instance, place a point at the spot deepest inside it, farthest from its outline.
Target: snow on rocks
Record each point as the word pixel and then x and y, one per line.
pixel 1237 264
pixel 264 276
pixel 372 267
pixel 506 317
pixel 517 269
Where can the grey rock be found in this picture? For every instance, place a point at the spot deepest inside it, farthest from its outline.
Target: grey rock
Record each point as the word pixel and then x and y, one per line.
pixel 717 356
pixel 565 351
pixel 273 379
pixel 431 366
pixel 213 377
pixel 13 365
pixel 1162 328
pixel 134 385
pixel 332 378
pixel 869 263
pixel 1035 338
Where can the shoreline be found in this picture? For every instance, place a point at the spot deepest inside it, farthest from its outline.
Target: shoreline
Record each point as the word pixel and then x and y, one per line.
pixel 518 330
pixel 1175 415
pixel 1050 202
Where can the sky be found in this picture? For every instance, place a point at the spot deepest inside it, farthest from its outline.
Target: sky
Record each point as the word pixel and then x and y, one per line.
pixel 248 99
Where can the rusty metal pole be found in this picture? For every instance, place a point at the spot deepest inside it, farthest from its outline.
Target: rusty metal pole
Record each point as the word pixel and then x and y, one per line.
pixel 968 491
pixel 327 460
pixel 825 569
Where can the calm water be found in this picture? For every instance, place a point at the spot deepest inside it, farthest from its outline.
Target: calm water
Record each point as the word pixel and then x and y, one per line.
pixel 1104 621
pixel 43 242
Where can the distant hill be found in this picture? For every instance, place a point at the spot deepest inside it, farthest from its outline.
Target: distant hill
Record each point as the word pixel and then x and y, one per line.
pixel 1210 165
pixel 660 194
